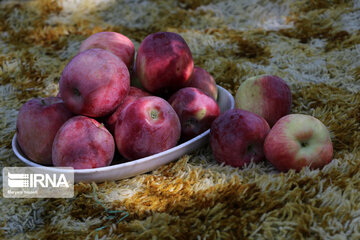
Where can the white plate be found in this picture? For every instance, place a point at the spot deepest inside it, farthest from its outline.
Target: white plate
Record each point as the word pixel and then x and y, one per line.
pixel 143 165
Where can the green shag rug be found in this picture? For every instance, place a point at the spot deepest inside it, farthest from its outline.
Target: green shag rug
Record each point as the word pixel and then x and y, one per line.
pixel 313 45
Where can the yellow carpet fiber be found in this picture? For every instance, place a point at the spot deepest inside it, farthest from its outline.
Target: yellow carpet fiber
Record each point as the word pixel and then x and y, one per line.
pixel 313 45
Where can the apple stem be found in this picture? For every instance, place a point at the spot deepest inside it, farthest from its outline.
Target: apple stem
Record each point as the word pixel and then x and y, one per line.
pixel 154 114
pixel 77 92
pixel 43 102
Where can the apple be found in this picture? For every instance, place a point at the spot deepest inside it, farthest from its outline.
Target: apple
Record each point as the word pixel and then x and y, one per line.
pixel 237 137
pixel 114 42
pixel 202 80
pixel 149 125
pixel 265 95
pixel 83 143
pixel 37 123
pixel 195 109
pixel 94 83
pixel 163 63
pixel 134 93
pixel 297 141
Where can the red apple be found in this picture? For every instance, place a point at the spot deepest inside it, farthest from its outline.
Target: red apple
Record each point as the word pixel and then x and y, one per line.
pixel 114 42
pixel 267 96
pixel 94 83
pixel 237 137
pixel 38 121
pixel 296 141
pixel 134 93
pixel 163 63
pixel 202 80
pixel 148 126
pixel 83 143
pixel 195 109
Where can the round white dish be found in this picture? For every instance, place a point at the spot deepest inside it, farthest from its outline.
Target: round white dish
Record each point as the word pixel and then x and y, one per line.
pixel 139 166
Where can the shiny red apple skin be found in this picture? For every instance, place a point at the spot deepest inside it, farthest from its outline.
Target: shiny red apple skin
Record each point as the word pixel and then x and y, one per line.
pixel 114 42
pixel 149 125
pixel 203 80
pixel 195 109
pixel 297 141
pixel 37 123
pixel 237 137
pixel 266 95
pixel 83 143
pixel 164 63
pixel 134 93
pixel 94 83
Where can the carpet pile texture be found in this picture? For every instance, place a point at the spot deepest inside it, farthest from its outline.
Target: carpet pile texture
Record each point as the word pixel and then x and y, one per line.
pixel 313 45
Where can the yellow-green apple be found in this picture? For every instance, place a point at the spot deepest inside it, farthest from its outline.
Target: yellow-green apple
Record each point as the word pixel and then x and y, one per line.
pixel 114 42
pixel 266 95
pixel 83 143
pixel 203 80
pixel 297 141
pixel 37 123
pixel 195 109
pixel 163 63
pixel 94 83
pixel 237 137
pixel 148 125
pixel 134 93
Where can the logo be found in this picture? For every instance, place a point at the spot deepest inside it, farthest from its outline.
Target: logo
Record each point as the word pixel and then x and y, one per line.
pixel 18 180
pixel 32 182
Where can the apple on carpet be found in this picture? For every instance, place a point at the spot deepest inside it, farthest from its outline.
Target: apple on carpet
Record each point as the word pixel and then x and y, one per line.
pixel 297 141
pixel 237 137
pixel 266 95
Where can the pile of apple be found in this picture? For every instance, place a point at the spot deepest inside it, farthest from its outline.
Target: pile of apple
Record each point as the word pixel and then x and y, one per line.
pixel 97 111
pixel 242 135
